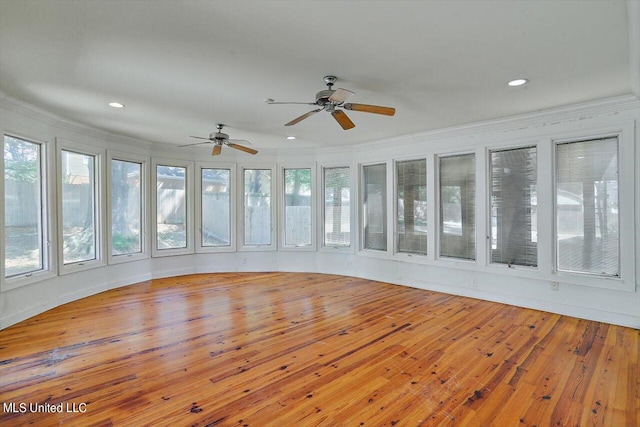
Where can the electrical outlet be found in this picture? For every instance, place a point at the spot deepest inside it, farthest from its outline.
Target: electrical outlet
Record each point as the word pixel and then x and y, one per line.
pixel 555 286
pixel 475 283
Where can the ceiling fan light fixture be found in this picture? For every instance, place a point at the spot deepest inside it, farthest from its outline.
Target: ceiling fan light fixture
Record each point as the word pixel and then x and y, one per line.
pixel 219 139
pixel 332 101
pixel 518 82
pixel 116 105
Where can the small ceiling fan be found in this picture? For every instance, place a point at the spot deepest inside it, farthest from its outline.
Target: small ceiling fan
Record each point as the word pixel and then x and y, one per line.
pixel 219 139
pixel 330 100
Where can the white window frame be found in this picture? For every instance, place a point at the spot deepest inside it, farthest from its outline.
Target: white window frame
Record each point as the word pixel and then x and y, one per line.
pixel 353 208
pixel 144 199
pixel 273 246
pixel 479 194
pixel 388 203
pixel 409 256
pixel 99 208
pixel 281 207
pixel 48 213
pixel 189 205
pixel 626 175
pixel 233 180
pixel 541 191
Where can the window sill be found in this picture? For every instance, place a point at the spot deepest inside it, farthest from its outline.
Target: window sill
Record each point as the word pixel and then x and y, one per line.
pixel 120 259
pixel 80 266
pixel 21 280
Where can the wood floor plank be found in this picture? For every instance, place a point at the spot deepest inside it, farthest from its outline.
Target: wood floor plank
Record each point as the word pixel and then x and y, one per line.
pixel 300 349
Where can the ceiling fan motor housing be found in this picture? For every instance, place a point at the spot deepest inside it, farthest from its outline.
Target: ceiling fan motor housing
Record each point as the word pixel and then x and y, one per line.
pixel 322 97
pixel 218 136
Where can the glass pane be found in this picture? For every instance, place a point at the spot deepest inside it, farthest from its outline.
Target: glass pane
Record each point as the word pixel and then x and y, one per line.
pixel 412 206
pixel 375 207
pixel 23 235
pixel 171 214
pixel 297 207
pixel 216 207
pixel 458 206
pixel 587 207
pixel 78 207
pixel 514 207
pixel 337 207
pixel 257 207
pixel 126 207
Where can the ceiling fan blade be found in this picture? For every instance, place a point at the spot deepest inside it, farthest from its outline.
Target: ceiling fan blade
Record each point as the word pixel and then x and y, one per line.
pixel 199 137
pixel 302 117
pixel 285 102
pixel 343 119
pixel 340 95
pixel 243 148
pixel 197 143
pixel 217 149
pixel 366 108
pixel 239 141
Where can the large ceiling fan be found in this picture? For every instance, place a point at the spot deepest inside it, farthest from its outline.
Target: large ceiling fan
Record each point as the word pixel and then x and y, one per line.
pixel 219 139
pixel 330 100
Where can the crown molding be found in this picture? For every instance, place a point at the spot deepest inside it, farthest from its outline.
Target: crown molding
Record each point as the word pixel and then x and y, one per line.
pixel 564 114
pixel 33 112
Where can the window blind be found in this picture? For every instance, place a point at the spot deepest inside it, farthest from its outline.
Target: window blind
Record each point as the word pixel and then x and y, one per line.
pixel 514 207
pixel 587 227
pixel 375 207
pixel 458 206
pixel 337 205
pixel 411 205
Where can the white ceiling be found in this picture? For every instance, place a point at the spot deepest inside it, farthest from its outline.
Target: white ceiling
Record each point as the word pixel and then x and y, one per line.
pixel 182 66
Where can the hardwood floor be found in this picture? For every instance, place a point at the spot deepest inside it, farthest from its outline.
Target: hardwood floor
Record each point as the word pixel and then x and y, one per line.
pixel 295 349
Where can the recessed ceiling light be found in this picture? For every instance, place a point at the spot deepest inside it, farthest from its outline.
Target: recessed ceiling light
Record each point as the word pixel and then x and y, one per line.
pixel 116 105
pixel 518 82
pixel 291 137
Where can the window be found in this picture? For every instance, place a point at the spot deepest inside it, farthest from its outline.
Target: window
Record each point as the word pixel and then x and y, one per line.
pixel 24 224
pixel 458 206
pixel 374 207
pixel 514 207
pixel 297 207
pixel 257 207
pixel 171 207
pixel 411 205
pixel 337 207
pixel 587 223
pixel 79 207
pixel 126 208
pixel 216 207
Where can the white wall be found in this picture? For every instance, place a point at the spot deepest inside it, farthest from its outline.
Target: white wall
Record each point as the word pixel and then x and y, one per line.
pixel 613 301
